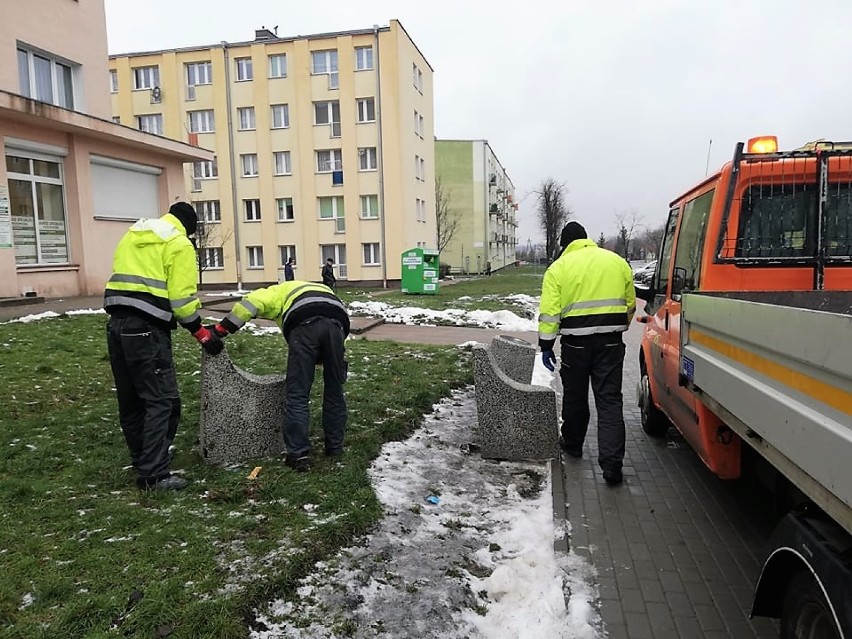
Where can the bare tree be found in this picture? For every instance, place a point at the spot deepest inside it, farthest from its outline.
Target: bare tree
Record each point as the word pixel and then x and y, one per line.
pixel 447 220
pixel 628 223
pixel 649 241
pixel 552 212
pixel 204 236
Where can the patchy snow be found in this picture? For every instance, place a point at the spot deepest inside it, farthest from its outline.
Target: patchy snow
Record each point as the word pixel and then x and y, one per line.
pixel 26 319
pixel 412 315
pixel 86 311
pixel 479 563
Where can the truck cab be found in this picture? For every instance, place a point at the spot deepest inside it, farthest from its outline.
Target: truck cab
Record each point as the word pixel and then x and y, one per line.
pixel 747 327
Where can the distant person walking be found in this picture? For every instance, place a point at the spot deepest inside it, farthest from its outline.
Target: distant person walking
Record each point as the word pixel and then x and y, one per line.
pixel 151 290
pixel 328 274
pixel 588 299
pixel 289 276
pixel 315 324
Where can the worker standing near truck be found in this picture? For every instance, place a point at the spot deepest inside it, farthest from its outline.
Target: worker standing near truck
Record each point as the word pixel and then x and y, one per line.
pixel 587 298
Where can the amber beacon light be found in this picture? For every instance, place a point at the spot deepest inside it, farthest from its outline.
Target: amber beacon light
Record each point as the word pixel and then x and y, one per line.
pixel 763 144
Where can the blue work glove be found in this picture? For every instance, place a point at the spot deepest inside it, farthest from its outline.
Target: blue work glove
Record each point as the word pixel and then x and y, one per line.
pixel 548 359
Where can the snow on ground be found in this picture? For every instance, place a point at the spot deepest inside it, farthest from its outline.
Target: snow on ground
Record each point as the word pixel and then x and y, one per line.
pixel 478 563
pixel 412 315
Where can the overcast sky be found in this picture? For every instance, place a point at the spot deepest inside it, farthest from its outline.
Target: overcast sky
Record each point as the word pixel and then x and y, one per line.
pixel 618 100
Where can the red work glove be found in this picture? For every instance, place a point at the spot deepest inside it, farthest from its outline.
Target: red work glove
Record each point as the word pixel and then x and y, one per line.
pixel 220 330
pixel 209 340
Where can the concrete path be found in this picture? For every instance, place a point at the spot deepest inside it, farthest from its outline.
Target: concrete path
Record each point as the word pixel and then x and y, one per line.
pixel 677 550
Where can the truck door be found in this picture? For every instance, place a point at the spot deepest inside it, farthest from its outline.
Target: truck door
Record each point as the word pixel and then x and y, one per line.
pixel 656 357
pixel 685 277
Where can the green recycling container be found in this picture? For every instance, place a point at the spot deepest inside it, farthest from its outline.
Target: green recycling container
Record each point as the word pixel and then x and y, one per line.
pixel 420 271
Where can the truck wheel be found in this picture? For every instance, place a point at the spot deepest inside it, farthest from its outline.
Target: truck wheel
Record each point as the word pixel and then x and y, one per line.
pixel 806 614
pixel 653 421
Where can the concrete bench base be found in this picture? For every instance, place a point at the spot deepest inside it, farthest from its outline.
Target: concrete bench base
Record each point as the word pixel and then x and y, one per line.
pixel 241 413
pixel 517 421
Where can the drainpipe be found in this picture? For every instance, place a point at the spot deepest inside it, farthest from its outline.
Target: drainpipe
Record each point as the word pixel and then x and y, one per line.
pixel 232 166
pixel 380 159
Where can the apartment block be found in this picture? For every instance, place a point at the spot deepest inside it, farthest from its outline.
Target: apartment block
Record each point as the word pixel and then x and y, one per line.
pixel 324 147
pixel 480 202
pixel 71 181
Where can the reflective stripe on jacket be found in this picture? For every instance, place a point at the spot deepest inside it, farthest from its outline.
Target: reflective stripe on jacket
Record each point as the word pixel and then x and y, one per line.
pixel 587 290
pixel 289 304
pixel 155 273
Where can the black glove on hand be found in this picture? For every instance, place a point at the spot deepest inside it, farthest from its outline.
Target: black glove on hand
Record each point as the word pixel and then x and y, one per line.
pixel 209 340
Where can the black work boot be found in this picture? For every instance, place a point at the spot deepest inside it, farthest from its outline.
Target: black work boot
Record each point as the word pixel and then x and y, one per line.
pixel 575 452
pixel 613 477
pixel 301 464
pixel 172 482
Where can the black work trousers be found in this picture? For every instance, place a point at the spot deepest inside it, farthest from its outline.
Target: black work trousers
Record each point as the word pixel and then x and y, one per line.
pixel 599 359
pixel 318 340
pixel 140 354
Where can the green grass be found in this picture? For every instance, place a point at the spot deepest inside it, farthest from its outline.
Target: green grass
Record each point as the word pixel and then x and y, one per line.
pixel 475 292
pixel 84 554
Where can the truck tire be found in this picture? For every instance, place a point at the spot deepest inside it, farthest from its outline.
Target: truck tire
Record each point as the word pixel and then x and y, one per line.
pixel 806 614
pixel 654 422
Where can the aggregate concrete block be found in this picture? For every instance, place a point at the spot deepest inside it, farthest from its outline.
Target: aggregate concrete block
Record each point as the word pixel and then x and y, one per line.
pixel 241 413
pixel 517 421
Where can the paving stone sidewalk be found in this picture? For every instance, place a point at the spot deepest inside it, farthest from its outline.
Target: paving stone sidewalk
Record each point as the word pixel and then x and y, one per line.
pixel 677 551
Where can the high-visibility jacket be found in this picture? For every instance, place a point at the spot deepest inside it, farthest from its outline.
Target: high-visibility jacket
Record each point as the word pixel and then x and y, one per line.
pixel 155 274
pixel 587 290
pixel 289 304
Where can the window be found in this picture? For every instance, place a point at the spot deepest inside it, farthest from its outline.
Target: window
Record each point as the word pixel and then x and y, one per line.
pixel 419 168
pixel 420 210
pixel 286 213
pixel 330 160
pixel 370 207
pixel 775 219
pixel 198 73
pixel 205 170
pixel 116 119
pixel 366 109
pixel 372 256
pixel 367 159
pixel 418 123
pixel 212 258
pixel 255 256
pixel 330 207
pixel 690 244
pixel 662 274
pixel 150 123
pixel 328 113
pixel 282 162
pixel 280 116
pixel 146 77
pixel 285 252
pixel 113 81
pixel 244 70
pixel 252 208
pixel 363 58
pixel 248 161
pixel 246 117
pixel 36 203
pixel 417 78
pixel 422 127
pixel 45 79
pixel 201 121
pixel 278 66
pixel 208 210
pixel 337 252
pixel 325 63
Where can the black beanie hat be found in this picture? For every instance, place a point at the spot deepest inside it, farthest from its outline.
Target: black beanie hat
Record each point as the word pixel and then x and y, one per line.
pixel 572 231
pixel 186 214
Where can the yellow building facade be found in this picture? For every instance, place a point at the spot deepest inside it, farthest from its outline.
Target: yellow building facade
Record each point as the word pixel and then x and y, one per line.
pixel 324 148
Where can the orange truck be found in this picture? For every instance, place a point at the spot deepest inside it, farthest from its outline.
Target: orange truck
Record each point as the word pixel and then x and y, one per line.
pixel 747 351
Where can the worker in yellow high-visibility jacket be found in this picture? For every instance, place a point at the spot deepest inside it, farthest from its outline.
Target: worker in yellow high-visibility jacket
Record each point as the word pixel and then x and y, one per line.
pixel 315 324
pixel 151 290
pixel 588 300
